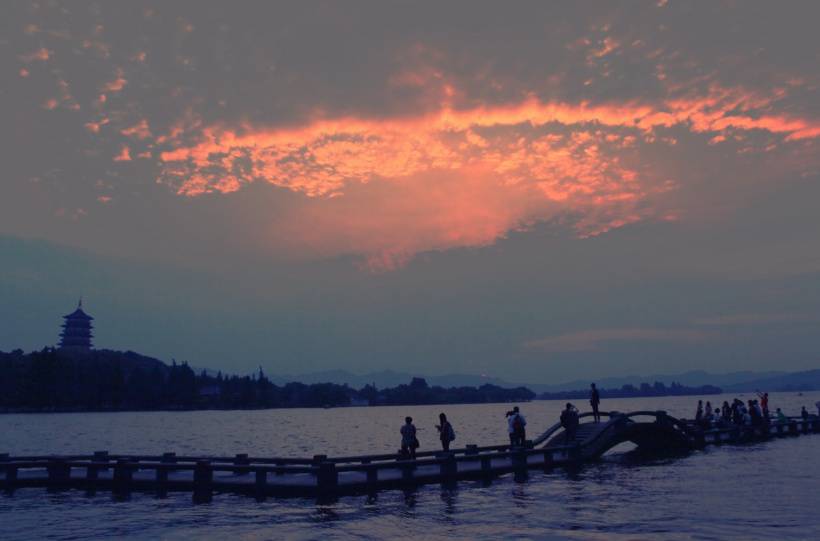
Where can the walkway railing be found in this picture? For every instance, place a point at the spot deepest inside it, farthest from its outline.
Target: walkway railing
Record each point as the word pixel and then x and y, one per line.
pixel 322 475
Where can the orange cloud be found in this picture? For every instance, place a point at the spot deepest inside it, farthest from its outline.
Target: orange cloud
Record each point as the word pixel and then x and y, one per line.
pixel 94 127
pixel 124 155
pixel 535 160
pixel 116 84
pixel 139 130
pixel 42 54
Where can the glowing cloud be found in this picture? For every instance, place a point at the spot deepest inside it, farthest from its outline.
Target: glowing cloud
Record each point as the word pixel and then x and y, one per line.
pixel 535 160
pixel 124 155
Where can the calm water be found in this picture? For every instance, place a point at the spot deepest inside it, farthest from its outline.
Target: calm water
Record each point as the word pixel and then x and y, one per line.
pixel 761 491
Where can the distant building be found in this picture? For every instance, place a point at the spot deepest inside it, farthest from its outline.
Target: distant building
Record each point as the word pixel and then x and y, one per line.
pixel 77 329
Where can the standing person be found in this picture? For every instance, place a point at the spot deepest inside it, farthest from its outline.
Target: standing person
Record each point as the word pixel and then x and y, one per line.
pixel 445 432
pixel 699 412
pixel 569 420
pixel 594 401
pixel 516 425
pixel 754 413
pixel 707 412
pixel 510 428
pixel 737 412
pixel 409 442
pixel 803 413
pixel 764 403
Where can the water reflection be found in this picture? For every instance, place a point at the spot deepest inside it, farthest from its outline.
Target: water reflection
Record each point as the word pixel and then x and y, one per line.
pixel 449 497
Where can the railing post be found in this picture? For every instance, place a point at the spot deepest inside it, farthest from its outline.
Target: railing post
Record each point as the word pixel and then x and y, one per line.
pixel 448 467
pixel 486 466
pixel 101 456
pixel 241 459
pixel 11 478
pixel 327 478
pixel 162 481
pixel 471 449
pixel 548 462
pixel 261 484
pixel 123 475
pixel 203 479
pixel 519 463
pixel 279 464
pixel 169 458
pixel 91 474
pixel 372 478
pixel 407 468
pixel 4 457
pixel 519 458
pixel 792 428
pixel 59 473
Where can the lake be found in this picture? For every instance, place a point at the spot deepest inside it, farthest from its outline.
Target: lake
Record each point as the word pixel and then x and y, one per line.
pixel 756 491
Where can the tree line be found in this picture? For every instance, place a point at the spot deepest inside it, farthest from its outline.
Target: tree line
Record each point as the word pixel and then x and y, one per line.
pixel 103 380
pixel 631 391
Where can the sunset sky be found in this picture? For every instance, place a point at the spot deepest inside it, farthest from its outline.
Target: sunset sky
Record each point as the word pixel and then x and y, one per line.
pixel 532 190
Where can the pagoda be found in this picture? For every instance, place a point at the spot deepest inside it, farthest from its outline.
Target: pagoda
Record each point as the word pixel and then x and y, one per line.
pixel 77 329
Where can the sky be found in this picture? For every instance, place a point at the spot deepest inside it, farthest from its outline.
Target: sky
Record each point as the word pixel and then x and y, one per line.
pixel 538 191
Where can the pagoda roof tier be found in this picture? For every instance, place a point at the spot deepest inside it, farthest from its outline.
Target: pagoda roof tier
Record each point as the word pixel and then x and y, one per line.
pixel 85 334
pixel 77 324
pixel 78 314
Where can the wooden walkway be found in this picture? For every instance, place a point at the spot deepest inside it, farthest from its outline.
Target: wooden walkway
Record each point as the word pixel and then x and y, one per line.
pixel 328 477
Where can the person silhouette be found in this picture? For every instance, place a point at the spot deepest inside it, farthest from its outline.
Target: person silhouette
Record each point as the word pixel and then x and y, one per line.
pixel 569 420
pixel 409 442
pixel 445 432
pixel 594 401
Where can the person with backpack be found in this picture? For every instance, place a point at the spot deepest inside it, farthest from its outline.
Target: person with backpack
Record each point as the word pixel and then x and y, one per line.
pixel 594 401
pixel 570 421
pixel 409 442
pixel 445 432
pixel 516 425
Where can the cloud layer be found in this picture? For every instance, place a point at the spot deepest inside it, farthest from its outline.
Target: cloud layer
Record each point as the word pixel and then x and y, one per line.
pixel 450 151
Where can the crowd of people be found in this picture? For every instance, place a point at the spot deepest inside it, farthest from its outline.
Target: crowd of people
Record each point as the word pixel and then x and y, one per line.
pixel 753 412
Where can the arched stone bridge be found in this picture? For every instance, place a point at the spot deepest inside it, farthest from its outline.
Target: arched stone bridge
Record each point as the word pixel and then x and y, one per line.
pixel 651 431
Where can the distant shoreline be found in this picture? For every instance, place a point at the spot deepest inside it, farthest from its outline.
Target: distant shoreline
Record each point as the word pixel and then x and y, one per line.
pixel 103 381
